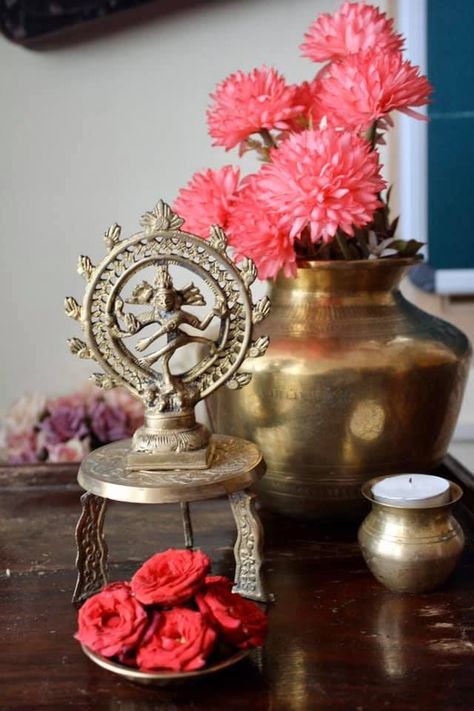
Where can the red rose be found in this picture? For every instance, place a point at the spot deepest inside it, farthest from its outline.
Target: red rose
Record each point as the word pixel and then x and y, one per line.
pixel 241 622
pixel 179 639
pixel 170 578
pixel 112 622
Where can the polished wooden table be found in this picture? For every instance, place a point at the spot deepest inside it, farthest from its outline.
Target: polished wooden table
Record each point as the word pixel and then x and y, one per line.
pixel 338 640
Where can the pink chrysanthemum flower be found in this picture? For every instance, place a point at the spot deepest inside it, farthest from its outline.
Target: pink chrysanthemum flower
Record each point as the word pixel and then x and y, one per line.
pixel 355 27
pixel 368 86
pixel 306 95
pixel 322 179
pixel 254 232
pixel 206 199
pixel 247 103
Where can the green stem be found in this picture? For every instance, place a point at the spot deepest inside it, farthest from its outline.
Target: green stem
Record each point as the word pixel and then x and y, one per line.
pixel 360 239
pixel 304 247
pixel 372 135
pixel 344 247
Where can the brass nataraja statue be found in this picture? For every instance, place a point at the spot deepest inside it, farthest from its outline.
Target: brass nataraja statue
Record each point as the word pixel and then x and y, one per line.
pixel 136 317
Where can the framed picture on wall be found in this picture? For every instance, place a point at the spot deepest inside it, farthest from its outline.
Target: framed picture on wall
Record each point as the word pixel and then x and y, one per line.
pixel 31 21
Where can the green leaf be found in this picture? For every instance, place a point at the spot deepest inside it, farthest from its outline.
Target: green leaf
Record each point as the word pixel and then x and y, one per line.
pixel 406 248
pixel 394 225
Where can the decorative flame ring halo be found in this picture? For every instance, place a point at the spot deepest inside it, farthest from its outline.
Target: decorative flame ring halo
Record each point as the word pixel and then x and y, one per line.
pixel 160 246
pixel 160 249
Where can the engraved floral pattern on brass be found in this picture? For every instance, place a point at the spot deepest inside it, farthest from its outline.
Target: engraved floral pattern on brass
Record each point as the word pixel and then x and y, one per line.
pixel 237 464
pixel 91 559
pixel 356 382
pixel 135 318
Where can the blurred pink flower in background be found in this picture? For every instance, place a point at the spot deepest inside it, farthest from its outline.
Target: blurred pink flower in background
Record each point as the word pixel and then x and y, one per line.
pixel 108 423
pixel 254 232
pixel 65 429
pixel 22 446
pixel 24 413
pixel 18 438
pixel 353 28
pixel 368 86
pixel 74 450
pixel 322 179
pixel 63 423
pixel 244 104
pixel 132 406
pixel 207 198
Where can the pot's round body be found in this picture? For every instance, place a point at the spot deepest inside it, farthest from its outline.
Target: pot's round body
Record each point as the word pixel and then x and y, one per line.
pixel 356 382
pixel 411 550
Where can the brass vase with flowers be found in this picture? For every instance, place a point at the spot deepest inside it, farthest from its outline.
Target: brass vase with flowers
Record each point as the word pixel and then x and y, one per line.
pixel 356 381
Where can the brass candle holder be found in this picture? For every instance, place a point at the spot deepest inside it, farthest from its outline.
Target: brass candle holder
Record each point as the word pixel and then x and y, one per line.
pixel 411 550
pixel 140 309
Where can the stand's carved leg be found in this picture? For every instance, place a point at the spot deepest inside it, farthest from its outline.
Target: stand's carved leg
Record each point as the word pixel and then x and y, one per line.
pixel 248 548
pixel 91 559
pixel 187 525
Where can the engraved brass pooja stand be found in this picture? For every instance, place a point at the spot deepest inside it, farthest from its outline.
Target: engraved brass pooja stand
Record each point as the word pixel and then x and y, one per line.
pixel 143 285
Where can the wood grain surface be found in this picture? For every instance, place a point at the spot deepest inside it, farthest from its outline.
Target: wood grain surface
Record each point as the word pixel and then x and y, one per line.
pixel 337 640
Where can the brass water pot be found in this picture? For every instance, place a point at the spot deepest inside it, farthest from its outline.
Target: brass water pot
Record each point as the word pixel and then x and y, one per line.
pixel 356 382
pixel 411 550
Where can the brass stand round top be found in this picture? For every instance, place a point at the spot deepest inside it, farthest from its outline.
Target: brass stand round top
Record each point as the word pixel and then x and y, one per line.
pixel 236 464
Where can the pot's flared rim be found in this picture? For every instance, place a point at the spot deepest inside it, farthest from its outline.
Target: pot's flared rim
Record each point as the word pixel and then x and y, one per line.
pixel 349 277
pixel 341 264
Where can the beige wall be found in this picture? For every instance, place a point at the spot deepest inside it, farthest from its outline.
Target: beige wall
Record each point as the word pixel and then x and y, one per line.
pixel 94 133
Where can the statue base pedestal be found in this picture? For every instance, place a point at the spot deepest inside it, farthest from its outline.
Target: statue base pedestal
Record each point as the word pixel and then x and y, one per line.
pixel 165 461
pixel 182 444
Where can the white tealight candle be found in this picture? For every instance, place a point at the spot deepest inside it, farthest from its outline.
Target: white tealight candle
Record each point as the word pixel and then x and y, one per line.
pixel 414 491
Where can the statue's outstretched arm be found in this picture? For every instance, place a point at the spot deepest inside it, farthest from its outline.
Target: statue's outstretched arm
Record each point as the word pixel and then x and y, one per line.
pixel 201 325
pixel 133 324
pixel 145 342
pixel 218 311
